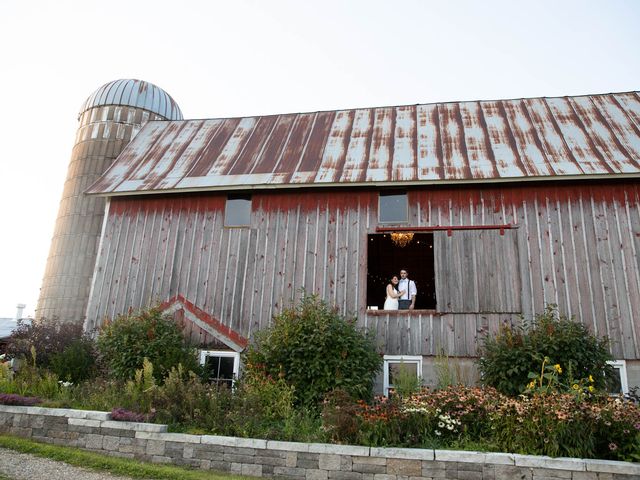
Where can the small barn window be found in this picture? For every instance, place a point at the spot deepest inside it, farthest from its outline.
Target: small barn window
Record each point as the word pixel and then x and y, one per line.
pixel 618 383
pixel 220 367
pixel 393 207
pixel 396 365
pixel 237 212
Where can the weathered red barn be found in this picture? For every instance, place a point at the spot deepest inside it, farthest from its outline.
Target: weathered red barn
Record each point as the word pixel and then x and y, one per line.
pixel 513 204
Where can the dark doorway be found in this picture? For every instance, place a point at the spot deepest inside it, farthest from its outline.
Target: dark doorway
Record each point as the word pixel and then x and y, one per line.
pixel 386 259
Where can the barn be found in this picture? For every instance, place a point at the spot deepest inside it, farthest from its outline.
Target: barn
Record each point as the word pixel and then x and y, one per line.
pixel 496 209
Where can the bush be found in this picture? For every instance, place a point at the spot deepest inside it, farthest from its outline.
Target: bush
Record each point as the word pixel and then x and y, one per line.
pixel 261 407
pixel 46 338
pixel 77 362
pixel 315 350
pixel 126 341
pixel 139 393
pixel 339 417
pixel 508 358
pixel 181 399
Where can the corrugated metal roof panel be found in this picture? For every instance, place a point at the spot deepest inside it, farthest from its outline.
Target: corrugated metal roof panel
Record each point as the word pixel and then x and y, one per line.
pixel 450 142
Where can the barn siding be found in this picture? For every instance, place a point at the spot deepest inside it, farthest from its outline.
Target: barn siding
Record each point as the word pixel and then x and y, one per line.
pixel 573 245
pixel 465 284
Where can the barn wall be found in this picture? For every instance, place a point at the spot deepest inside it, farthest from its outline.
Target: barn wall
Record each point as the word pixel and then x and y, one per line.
pixel 573 245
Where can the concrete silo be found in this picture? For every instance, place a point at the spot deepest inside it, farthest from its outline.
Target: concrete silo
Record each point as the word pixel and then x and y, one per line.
pixel 108 119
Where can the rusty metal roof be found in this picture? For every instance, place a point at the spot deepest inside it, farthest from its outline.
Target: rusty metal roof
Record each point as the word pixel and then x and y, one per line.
pixel 134 93
pixel 499 140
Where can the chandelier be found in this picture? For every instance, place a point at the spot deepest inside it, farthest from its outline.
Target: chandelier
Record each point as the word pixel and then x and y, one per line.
pixel 401 239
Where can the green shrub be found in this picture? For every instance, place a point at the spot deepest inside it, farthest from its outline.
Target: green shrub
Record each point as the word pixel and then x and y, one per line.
pixel 261 406
pixel 77 362
pixel 184 400
pixel 509 357
pixel 405 381
pixel 139 393
pixel 339 419
pixel 97 394
pixel 126 341
pixel 315 350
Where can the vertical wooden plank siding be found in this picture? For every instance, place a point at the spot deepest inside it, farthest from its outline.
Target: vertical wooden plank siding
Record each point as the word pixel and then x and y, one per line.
pixel 574 245
pixel 474 271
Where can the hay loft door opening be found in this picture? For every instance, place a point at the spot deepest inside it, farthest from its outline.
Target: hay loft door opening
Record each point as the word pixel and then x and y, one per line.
pixel 384 259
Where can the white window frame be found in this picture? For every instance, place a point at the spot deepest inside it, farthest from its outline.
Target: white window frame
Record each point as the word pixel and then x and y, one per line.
pixel 393 359
pixel 224 354
pixel 621 366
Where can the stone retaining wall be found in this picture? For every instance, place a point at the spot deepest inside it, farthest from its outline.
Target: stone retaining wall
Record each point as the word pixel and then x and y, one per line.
pixel 95 431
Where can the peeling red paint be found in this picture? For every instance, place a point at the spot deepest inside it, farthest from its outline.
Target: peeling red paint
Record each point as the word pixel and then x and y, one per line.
pixel 203 316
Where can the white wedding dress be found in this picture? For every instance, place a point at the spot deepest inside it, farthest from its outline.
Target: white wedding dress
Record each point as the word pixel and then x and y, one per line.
pixel 390 303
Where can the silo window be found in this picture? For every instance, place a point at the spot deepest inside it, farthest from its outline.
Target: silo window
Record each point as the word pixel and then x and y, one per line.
pixel 393 207
pixel 237 212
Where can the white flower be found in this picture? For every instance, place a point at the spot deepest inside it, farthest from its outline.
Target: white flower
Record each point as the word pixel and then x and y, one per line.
pixel 438 432
pixel 441 424
pixel 449 427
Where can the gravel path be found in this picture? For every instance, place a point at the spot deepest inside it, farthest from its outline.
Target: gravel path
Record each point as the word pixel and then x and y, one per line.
pixel 21 466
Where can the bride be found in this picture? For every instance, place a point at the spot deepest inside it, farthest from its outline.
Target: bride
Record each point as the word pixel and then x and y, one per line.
pixel 391 302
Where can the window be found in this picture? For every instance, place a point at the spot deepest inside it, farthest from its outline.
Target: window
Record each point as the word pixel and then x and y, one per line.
pixel 393 207
pixel 384 259
pixel 618 384
pixel 395 364
pixel 237 211
pixel 221 367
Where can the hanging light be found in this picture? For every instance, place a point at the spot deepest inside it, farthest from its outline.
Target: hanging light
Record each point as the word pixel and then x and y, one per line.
pixel 401 239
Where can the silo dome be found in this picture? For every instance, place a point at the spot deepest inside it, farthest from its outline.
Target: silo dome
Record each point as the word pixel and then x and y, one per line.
pixel 134 93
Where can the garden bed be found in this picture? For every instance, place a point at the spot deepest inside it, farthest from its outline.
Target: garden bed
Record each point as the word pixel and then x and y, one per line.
pixel 95 431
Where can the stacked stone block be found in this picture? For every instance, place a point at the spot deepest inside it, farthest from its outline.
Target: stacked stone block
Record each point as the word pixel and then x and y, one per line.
pixel 95 431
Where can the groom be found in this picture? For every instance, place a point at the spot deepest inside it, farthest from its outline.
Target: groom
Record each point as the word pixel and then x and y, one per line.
pixel 408 299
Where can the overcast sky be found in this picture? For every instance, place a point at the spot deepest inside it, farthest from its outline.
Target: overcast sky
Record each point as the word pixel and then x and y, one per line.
pixel 233 58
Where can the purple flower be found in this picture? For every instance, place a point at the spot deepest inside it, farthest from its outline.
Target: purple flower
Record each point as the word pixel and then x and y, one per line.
pixel 13 399
pixel 124 415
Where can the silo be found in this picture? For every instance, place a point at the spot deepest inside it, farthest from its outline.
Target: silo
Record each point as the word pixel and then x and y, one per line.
pixel 108 121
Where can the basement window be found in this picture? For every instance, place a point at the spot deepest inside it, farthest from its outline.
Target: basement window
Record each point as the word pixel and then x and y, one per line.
pixel 396 365
pixel 393 207
pixel 221 367
pixel 237 211
pixel 618 383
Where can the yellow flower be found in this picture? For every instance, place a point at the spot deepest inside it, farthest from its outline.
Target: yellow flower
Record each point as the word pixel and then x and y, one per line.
pixel 591 389
pixel 532 384
pixel 558 368
pixel 590 378
pixel 575 386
